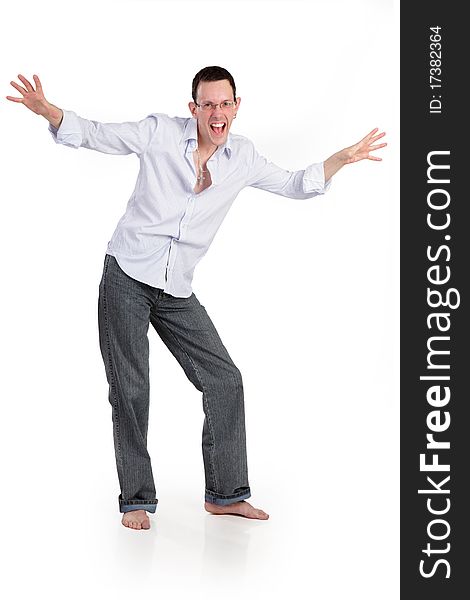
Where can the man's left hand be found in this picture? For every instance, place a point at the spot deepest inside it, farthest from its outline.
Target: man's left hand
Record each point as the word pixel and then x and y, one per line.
pixel 353 153
pixel 362 149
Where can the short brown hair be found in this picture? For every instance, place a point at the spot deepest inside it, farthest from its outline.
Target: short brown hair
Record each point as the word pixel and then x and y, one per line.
pixel 212 74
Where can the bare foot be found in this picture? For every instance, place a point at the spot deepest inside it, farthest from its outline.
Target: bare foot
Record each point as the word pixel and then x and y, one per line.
pixel 242 509
pixel 136 519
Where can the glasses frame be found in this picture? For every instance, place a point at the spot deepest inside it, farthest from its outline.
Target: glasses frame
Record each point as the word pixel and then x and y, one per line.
pixel 233 103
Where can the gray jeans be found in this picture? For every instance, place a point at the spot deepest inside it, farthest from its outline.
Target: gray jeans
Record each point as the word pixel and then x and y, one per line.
pixel 125 309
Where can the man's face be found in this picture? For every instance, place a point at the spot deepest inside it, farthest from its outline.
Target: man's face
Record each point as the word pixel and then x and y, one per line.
pixel 213 125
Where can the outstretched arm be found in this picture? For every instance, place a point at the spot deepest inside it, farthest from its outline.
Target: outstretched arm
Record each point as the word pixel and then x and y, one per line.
pixel 68 128
pixel 316 178
pixel 353 153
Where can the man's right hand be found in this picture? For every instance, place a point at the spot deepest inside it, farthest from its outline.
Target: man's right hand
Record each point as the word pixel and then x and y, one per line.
pixel 34 100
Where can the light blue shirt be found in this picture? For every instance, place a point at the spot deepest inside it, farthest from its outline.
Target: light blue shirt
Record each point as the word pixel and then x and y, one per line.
pixel 167 227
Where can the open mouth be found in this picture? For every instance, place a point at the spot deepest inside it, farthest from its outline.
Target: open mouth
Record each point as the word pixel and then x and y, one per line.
pixel 218 128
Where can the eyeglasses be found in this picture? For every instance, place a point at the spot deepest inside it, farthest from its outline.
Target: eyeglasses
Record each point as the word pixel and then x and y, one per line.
pixel 207 106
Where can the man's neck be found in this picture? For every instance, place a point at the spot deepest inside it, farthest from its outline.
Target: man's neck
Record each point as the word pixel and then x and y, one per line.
pixel 206 150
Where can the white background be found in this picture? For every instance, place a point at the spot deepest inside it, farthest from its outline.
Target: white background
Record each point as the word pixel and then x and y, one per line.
pixel 312 324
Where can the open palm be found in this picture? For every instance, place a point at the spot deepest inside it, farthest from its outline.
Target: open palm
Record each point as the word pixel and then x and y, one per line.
pixel 32 98
pixel 362 149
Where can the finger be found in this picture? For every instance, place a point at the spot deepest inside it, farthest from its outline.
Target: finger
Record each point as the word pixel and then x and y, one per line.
pixel 375 146
pixel 370 134
pixel 374 158
pixel 377 137
pixel 14 99
pixel 38 83
pixel 23 80
pixel 18 87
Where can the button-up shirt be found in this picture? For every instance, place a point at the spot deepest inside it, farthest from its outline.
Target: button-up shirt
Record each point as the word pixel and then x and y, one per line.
pixel 167 227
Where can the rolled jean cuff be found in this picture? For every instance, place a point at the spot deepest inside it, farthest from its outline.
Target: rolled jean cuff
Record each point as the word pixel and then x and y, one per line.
pixel 222 500
pixel 148 505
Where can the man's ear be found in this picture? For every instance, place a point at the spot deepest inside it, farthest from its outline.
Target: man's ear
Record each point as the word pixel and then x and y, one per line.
pixel 192 107
pixel 238 104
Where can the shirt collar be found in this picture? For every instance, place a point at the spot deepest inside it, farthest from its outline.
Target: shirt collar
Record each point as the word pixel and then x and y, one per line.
pixel 190 137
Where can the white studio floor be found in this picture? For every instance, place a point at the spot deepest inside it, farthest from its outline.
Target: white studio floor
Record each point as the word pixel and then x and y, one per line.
pixel 61 552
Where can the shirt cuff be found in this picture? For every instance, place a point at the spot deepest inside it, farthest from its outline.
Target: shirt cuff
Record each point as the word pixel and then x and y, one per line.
pixel 314 179
pixel 69 132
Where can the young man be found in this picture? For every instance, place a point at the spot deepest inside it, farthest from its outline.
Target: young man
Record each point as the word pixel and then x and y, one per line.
pixel 191 170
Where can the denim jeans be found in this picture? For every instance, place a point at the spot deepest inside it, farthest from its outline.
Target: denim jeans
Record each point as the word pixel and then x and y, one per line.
pixel 125 309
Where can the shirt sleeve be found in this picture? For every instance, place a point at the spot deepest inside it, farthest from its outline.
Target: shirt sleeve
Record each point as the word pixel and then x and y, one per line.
pixel 302 184
pixel 110 138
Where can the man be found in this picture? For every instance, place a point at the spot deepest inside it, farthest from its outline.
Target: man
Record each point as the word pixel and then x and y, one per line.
pixel 191 170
